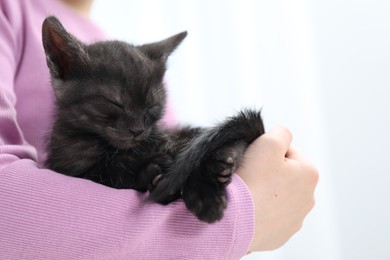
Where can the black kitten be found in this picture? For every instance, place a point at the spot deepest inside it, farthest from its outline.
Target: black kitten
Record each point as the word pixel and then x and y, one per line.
pixel 109 99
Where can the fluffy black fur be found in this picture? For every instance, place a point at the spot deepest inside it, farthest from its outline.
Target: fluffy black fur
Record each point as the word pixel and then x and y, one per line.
pixel 109 99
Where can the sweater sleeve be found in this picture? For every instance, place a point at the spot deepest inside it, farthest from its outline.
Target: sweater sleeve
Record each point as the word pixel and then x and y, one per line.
pixel 46 215
pixel 12 144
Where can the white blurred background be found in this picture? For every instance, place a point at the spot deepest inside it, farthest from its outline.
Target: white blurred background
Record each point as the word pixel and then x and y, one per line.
pixel 321 68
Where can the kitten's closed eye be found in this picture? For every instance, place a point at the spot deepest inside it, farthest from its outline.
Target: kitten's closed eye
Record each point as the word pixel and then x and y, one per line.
pixel 113 102
pixel 154 111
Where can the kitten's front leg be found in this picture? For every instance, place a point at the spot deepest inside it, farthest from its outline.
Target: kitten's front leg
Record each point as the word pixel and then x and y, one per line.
pixel 205 191
pixel 202 184
pixel 204 165
pixel 169 186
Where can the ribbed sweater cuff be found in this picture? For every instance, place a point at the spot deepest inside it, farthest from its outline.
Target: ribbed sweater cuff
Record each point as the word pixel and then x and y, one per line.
pixel 241 199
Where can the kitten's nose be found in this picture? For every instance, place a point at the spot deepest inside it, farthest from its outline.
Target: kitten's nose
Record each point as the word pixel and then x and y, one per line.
pixel 136 132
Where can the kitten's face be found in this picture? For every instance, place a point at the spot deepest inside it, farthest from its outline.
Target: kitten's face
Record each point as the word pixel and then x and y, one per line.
pixel 122 112
pixel 109 89
pixel 118 118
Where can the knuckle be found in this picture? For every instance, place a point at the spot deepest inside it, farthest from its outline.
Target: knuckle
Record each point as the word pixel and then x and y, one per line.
pixel 300 226
pixel 273 141
pixel 314 175
pixel 308 207
pixel 297 227
pixel 286 131
pixel 312 203
pixel 311 173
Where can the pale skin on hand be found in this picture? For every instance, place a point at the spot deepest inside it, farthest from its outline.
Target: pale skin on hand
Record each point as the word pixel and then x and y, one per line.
pixel 282 184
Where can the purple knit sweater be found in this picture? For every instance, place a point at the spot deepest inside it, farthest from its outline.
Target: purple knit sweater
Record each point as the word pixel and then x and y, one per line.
pixel 46 215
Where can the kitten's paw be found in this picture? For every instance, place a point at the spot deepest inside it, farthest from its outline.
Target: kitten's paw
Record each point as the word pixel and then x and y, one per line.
pixel 204 192
pixel 157 170
pixel 205 199
pixel 148 178
pixel 165 189
pixel 155 181
pixel 155 173
pixel 223 163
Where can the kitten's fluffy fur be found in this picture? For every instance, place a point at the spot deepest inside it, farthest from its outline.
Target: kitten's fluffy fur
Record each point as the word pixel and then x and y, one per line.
pixel 109 98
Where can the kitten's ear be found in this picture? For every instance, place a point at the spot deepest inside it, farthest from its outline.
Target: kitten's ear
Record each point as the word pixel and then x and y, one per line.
pixel 61 48
pixel 162 49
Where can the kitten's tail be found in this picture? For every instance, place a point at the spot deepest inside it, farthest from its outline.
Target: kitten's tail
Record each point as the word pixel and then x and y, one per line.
pixel 245 127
